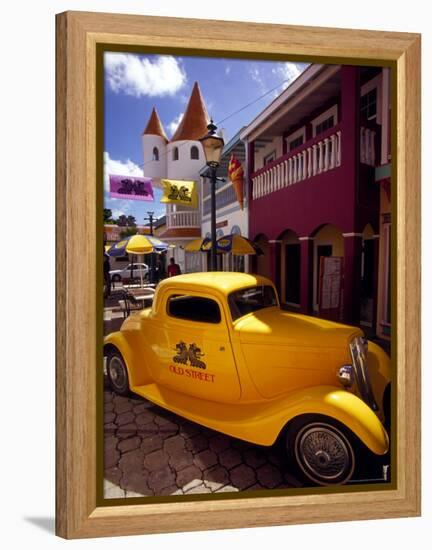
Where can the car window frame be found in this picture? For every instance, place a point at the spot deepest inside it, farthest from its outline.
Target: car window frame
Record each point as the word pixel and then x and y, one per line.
pixel 182 292
pixel 234 321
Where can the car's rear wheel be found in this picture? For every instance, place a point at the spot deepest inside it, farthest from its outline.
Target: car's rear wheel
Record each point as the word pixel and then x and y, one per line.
pixel 117 373
pixel 320 449
pixel 116 278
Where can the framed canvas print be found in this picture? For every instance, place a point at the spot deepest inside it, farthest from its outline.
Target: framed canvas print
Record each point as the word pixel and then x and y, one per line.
pixel 238 286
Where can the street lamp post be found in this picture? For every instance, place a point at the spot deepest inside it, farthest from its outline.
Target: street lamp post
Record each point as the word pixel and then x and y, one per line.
pixel 212 145
pixel 151 270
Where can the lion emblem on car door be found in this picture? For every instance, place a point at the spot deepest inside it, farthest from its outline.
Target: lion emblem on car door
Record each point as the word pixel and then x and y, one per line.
pixel 192 355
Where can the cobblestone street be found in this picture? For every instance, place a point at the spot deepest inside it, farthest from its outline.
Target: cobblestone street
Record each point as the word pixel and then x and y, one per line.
pixel 150 451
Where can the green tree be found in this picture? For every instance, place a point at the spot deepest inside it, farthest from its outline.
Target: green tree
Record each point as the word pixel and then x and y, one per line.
pixel 131 221
pixel 128 231
pixel 122 221
pixel 107 213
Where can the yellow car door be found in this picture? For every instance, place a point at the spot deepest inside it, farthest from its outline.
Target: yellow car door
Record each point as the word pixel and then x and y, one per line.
pixel 191 350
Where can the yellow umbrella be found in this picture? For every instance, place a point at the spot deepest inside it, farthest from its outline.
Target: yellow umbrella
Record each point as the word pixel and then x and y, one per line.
pixel 198 245
pixel 238 245
pixel 137 244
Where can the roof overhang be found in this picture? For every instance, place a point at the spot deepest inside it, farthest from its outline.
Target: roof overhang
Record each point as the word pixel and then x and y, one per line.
pixel 316 85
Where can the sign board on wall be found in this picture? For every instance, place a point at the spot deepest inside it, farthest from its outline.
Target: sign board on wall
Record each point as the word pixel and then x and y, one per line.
pixel 330 287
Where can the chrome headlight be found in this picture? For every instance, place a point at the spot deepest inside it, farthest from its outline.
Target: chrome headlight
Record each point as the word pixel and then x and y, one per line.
pixel 346 376
pixel 359 355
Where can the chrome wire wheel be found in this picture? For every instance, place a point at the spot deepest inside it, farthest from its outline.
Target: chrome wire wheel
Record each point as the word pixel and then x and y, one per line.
pixel 117 374
pixel 324 454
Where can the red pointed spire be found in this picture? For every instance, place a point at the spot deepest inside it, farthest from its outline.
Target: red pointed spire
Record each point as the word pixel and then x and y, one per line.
pixel 194 123
pixel 154 126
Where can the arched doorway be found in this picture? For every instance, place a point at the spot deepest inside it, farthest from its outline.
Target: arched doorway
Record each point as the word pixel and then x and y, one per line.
pixel 368 277
pixel 261 263
pixel 328 241
pixel 290 268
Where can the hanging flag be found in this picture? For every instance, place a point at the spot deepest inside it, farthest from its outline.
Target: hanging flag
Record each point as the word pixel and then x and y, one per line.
pixel 179 192
pixel 132 188
pixel 236 175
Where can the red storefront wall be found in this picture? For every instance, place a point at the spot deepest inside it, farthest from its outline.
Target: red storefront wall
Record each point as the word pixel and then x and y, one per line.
pixel 328 198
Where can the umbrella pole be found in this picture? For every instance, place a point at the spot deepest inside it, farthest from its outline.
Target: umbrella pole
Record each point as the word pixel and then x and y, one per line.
pixel 141 271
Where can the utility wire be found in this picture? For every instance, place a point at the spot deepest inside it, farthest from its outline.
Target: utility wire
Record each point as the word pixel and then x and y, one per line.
pixel 229 116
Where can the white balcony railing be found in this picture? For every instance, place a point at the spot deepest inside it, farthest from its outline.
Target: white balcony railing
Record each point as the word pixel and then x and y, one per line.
pixel 183 219
pixel 367 146
pixel 315 159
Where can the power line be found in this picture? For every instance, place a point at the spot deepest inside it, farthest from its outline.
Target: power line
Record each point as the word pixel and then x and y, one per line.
pixel 229 116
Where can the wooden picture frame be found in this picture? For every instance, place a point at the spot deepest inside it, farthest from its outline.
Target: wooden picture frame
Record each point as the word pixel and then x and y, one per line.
pixel 78 275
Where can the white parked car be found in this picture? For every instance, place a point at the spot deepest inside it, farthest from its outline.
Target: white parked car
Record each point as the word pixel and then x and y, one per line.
pixel 126 273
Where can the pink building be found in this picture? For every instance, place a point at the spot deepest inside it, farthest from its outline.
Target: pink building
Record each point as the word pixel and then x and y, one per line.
pixel 314 157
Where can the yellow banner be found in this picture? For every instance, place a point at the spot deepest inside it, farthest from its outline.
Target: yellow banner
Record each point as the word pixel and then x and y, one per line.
pixel 180 192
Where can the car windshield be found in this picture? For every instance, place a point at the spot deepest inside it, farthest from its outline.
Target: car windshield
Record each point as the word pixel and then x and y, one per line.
pixel 251 299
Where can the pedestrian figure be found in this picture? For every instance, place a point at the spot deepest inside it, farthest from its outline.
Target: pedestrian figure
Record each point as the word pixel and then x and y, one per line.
pixel 107 277
pixel 173 268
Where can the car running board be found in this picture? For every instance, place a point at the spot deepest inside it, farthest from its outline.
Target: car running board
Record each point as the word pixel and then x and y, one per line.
pixel 243 421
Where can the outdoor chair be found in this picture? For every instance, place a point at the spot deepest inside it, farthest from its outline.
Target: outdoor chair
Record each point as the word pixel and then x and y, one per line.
pixel 128 303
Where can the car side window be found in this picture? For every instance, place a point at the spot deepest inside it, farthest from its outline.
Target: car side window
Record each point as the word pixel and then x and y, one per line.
pixel 193 308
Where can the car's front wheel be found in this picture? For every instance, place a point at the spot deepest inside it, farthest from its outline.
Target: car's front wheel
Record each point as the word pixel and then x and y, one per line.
pixel 117 373
pixel 320 449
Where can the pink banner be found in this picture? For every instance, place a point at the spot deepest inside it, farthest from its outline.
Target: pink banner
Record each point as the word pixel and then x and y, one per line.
pixel 132 188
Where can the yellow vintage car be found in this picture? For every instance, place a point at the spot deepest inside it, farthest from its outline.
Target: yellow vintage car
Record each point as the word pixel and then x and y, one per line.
pixel 216 348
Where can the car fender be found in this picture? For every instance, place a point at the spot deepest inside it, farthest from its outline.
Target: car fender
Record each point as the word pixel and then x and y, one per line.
pixel 341 405
pixel 131 349
pixel 379 368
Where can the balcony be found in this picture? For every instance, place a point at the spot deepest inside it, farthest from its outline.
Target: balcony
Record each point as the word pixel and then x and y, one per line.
pixel 224 196
pixel 318 155
pixel 183 219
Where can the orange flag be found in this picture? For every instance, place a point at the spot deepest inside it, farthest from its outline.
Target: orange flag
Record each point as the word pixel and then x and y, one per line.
pixel 236 175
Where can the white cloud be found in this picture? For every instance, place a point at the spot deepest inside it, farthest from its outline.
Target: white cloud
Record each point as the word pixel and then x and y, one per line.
pixel 121 209
pixel 119 168
pixel 288 72
pixel 173 125
pixel 227 69
pixel 136 76
pixel 258 78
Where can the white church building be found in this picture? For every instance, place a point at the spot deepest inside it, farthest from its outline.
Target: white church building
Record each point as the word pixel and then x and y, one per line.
pixel 180 158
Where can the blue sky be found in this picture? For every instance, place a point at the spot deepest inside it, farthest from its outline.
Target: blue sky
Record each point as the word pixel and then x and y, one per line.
pixel 134 84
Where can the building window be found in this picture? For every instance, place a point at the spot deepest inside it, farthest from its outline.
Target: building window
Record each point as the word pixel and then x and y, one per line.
pixel 325 120
pixel 175 153
pixel 269 158
pixel 324 125
pixel 155 153
pixel 194 153
pixel 368 105
pixel 295 139
pixel 295 143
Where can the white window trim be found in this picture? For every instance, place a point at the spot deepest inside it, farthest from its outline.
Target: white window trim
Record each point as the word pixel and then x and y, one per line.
pixel 270 154
pixel 375 82
pixel 333 111
pixel 370 84
pixel 300 132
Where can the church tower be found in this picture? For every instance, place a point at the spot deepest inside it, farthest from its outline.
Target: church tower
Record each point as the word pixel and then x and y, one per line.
pixel 180 158
pixel 154 141
pixel 185 155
